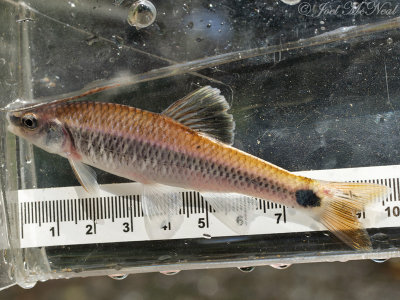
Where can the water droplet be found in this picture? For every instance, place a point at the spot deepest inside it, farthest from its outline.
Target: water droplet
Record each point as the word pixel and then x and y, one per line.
pixel 118 276
pixel 142 14
pixel 208 25
pixel 72 4
pixel 379 260
pixel 206 236
pixel 280 266
pixel 170 272
pixel 27 285
pixel 291 2
pixel 246 269
pixel 390 41
pixel 111 60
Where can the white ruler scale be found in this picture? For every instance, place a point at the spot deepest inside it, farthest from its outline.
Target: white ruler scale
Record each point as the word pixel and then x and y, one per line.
pixel 68 215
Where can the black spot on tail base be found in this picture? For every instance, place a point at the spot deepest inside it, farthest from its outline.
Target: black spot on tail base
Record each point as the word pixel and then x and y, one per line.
pixel 307 198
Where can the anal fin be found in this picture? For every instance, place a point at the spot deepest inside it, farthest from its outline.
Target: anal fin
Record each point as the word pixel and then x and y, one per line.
pixel 234 210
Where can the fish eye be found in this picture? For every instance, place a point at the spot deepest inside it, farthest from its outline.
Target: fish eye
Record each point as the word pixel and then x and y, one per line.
pixel 29 121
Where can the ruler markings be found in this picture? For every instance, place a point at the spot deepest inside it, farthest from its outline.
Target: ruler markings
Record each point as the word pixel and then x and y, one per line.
pixel 22 213
pixel 39 214
pixel 72 210
pixel 58 220
pixel 35 220
pixel 130 211
pixel 43 212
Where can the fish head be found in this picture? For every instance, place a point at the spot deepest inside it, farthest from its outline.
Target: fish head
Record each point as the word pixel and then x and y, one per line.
pixel 40 128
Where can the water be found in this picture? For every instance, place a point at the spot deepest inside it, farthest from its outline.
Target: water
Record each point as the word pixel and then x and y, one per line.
pixel 293 96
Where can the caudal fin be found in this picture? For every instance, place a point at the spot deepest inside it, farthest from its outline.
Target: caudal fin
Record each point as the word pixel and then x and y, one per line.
pixel 340 202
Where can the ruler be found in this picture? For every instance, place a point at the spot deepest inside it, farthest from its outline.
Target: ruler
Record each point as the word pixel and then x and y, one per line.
pixel 69 216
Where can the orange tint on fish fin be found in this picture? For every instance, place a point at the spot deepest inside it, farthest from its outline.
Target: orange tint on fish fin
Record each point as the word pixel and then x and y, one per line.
pixel 340 203
pixel 205 111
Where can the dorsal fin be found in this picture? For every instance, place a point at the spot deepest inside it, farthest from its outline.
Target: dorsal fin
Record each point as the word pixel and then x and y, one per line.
pixel 204 110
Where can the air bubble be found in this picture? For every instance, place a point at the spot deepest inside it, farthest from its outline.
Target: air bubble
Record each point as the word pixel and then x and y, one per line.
pixel 118 276
pixel 27 285
pixel 280 266
pixel 142 14
pixel 379 260
pixel 291 2
pixel 169 273
pixel 246 269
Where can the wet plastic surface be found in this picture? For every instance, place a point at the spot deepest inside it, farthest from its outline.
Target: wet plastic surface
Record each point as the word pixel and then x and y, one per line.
pixel 332 105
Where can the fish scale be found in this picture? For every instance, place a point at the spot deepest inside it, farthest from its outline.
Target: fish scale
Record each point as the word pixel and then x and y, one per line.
pixel 188 145
pixel 192 160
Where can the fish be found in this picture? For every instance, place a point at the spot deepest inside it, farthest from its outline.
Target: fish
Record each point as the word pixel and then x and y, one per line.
pixel 189 146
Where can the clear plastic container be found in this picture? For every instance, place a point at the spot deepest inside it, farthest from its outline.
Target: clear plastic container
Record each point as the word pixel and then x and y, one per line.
pixel 310 88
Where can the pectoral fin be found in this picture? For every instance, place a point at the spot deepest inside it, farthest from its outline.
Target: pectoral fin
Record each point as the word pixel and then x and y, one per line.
pixel 85 175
